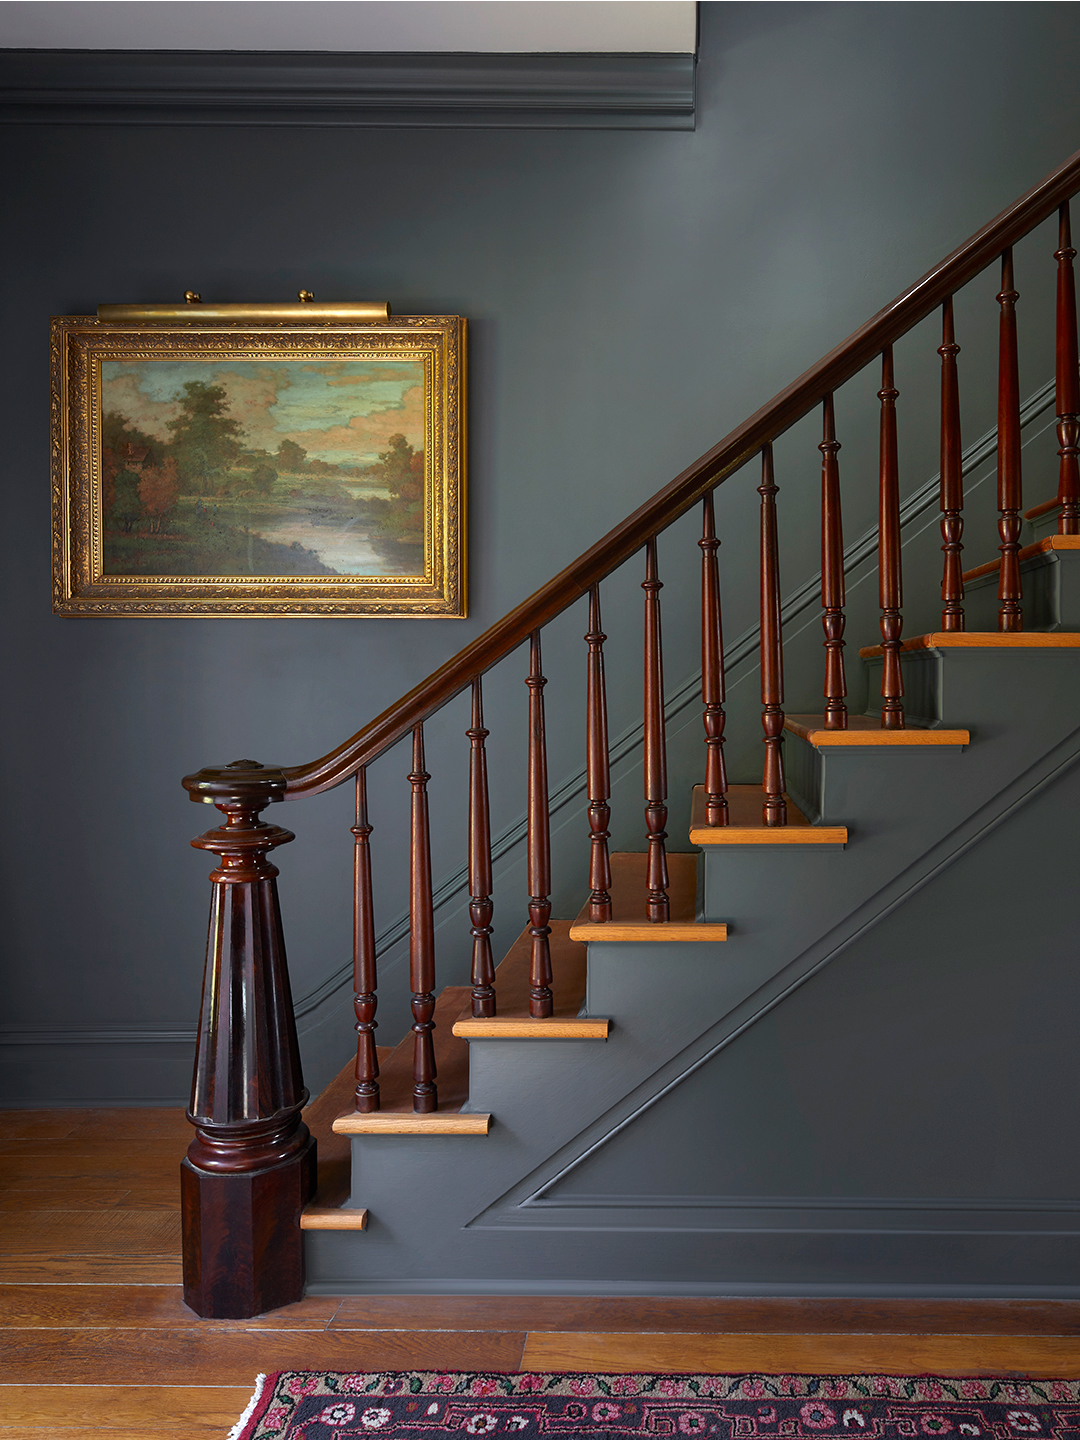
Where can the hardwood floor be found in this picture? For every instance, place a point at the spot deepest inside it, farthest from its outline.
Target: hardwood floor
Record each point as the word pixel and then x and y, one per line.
pixel 95 1338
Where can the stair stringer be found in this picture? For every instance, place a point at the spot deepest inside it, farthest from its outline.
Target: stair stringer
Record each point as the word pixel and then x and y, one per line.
pixel 439 1220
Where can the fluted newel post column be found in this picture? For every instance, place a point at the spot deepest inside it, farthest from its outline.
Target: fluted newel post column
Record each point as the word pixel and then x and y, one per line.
pixel 1010 503
pixel 250 1169
pixel 1068 381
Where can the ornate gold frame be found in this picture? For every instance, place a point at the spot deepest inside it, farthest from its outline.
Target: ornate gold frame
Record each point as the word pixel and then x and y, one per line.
pixel 78 346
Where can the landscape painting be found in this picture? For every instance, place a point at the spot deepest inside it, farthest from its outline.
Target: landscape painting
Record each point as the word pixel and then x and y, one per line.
pixel 248 468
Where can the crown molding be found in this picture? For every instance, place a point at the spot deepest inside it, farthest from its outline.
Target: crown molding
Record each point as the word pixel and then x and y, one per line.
pixel 404 90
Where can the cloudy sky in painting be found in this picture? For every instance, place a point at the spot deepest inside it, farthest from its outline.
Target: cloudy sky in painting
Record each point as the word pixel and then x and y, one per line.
pixel 343 411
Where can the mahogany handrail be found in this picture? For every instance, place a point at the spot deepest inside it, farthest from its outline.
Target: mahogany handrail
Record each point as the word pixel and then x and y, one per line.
pixel 729 455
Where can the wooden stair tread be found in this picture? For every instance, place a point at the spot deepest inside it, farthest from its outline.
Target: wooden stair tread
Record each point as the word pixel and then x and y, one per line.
pixel 1040 547
pixel 396 1115
pixel 746 826
pixel 513 1021
pixel 628 919
pixel 866 730
pixel 984 640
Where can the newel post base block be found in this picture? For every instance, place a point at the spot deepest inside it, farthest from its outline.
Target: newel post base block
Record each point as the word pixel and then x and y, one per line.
pixel 243 1246
pixel 251 1167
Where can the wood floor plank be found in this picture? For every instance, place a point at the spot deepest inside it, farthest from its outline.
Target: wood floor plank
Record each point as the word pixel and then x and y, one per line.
pixel 140 1307
pixel 154 1122
pixel 103 1149
pixel 706 1315
pixel 37 1124
pixel 219 1357
pixel 1041 1355
pixel 134 1406
pixel 69 1199
pixel 105 1171
pixel 88 1270
pixel 149 1427
pixel 91 1232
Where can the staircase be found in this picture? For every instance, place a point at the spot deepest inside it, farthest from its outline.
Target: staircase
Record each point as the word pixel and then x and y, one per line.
pixel 580 1119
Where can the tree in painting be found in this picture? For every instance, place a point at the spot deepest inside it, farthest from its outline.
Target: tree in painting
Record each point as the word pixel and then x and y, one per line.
pixel 204 437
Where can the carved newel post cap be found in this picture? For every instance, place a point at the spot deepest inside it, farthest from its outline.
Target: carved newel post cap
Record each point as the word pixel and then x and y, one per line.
pixel 242 782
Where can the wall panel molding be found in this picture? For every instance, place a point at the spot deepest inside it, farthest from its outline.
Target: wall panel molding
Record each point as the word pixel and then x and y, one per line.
pixel 571 92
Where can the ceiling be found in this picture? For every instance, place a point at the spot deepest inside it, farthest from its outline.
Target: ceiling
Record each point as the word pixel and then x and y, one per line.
pixel 353 26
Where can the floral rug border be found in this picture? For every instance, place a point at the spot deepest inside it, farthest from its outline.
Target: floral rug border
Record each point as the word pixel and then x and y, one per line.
pixel 279 1396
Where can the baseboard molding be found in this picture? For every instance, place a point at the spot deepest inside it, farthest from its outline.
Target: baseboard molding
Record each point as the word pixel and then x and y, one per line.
pixel 602 1288
pixel 562 92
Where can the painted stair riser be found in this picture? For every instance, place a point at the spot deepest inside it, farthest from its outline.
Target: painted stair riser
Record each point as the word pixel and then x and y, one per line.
pixel 991 694
pixel 1051 591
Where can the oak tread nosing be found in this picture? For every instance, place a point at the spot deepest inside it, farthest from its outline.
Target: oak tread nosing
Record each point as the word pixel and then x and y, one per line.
pixel 746 826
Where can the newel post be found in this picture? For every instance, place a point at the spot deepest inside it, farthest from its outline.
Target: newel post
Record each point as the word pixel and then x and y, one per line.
pixel 251 1167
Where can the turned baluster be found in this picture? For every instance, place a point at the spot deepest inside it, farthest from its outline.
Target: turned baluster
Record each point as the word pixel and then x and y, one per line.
pixel 832 574
pixel 421 935
pixel 365 1000
pixel 890 588
pixel 597 768
pixel 538 843
pixel 712 670
pixel 656 873
pixel 250 1169
pixel 480 906
pixel 952 477
pixel 1068 382
pixel 1010 502
pixel 774 807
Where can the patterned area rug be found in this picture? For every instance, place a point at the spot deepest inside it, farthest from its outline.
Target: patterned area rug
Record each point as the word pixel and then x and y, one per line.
pixel 426 1405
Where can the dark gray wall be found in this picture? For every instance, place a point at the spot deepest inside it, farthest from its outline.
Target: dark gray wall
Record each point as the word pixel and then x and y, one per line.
pixel 632 296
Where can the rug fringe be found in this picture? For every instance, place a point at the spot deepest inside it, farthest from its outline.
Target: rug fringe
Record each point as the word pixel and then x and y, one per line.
pixel 238 1429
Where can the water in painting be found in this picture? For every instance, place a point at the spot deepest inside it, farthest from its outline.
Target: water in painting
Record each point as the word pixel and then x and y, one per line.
pixel 245 468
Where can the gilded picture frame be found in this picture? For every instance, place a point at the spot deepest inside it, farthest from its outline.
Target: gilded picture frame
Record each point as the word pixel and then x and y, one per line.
pixel 182 483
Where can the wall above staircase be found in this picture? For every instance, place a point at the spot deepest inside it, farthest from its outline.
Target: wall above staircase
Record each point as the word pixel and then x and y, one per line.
pixel 738 253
